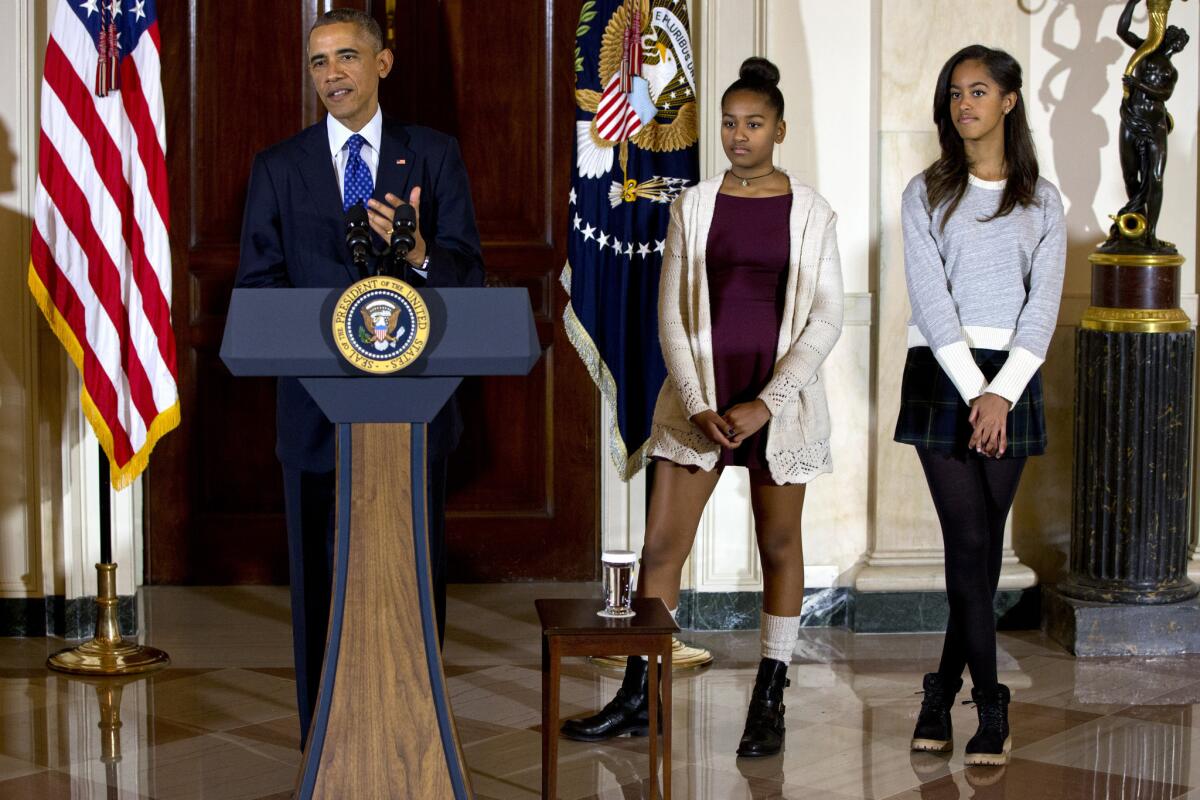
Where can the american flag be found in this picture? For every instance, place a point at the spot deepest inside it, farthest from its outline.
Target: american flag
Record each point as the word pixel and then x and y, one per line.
pixel 101 260
pixel 616 118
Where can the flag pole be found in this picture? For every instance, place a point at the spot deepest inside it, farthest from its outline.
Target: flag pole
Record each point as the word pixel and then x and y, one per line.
pixel 107 653
pixel 105 508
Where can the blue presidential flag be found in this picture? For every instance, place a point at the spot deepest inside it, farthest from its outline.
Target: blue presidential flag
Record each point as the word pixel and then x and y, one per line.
pixel 635 151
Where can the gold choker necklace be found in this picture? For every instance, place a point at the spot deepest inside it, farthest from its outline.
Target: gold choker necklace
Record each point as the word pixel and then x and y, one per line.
pixel 746 181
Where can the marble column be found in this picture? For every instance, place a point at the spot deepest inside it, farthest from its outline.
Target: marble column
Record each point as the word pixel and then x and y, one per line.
pixel 1130 537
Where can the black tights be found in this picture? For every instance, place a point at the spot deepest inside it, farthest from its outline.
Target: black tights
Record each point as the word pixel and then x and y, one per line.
pixel 972 495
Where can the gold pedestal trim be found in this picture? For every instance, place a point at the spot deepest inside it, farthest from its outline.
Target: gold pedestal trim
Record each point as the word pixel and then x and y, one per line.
pixel 1132 260
pixel 1135 320
pixel 107 653
pixel 683 656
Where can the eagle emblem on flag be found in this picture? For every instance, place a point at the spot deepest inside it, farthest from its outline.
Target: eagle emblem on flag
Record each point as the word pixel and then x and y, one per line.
pixel 647 69
pixel 635 128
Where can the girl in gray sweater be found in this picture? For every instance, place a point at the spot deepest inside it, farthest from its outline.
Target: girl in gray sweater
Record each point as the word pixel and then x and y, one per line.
pixel 984 253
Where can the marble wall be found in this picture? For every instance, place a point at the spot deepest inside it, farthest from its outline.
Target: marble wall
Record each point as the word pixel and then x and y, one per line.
pixel 20 567
pixel 905 553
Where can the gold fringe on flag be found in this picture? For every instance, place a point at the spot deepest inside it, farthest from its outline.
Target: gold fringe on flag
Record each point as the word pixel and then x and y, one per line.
pixel 167 420
pixel 627 464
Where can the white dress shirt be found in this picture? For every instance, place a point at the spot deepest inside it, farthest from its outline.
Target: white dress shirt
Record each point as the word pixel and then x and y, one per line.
pixel 373 133
pixel 339 134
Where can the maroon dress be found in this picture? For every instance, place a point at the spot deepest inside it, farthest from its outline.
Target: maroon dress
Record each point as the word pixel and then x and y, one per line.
pixel 747 266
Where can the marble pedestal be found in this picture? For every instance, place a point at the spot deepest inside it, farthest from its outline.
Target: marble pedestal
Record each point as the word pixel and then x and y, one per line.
pixel 1111 629
pixel 1129 527
pixel 1128 591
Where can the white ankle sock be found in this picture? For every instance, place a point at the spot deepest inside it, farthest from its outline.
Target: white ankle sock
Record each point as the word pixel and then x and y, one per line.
pixel 779 636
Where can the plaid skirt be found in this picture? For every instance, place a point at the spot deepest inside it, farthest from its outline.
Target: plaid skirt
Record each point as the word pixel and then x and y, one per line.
pixel 933 415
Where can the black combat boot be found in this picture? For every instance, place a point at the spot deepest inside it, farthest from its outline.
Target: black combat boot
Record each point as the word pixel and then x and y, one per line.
pixel 627 713
pixel 934 732
pixel 764 731
pixel 991 743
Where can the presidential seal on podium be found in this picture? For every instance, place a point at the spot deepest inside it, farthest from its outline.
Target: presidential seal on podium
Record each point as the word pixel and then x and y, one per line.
pixel 380 325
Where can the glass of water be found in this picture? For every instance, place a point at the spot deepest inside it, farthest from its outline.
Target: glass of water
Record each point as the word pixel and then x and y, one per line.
pixel 617 566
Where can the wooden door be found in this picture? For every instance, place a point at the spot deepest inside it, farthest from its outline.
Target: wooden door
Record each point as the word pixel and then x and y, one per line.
pixel 524 483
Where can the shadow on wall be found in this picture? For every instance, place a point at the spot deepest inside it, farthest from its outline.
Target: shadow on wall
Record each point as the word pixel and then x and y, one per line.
pixel 1071 92
pixel 8 162
pixel 1079 132
pixel 14 397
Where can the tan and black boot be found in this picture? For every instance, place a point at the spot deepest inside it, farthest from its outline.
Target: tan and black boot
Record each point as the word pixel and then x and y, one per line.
pixel 934 732
pixel 992 743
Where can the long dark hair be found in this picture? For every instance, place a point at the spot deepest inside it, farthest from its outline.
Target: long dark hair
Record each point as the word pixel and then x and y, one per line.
pixel 946 178
pixel 761 76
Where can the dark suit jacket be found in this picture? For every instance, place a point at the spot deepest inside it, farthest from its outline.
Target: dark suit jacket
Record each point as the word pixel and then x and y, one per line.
pixel 293 235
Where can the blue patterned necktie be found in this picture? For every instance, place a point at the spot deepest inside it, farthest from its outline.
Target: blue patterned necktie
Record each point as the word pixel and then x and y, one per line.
pixel 356 180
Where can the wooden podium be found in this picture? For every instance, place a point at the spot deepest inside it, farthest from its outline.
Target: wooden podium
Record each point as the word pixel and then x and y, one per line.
pixel 383 726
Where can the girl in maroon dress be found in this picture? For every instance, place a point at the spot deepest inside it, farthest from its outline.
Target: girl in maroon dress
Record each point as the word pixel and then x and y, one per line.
pixel 750 304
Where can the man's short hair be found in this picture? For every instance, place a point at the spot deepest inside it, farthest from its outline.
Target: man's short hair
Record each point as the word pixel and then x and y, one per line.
pixel 365 22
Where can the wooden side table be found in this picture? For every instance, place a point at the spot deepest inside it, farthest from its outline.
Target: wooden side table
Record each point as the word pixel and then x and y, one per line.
pixel 572 628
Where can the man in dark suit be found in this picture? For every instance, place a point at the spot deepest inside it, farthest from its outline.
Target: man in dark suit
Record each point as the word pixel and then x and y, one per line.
pixel 293 235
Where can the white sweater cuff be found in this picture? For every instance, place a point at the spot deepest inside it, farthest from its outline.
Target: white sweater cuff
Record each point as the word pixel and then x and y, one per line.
pixel 692 399
pixel 1014 376
pixel 957 362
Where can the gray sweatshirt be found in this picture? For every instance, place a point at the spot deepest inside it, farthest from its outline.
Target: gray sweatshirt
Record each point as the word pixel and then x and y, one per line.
pixel 993 285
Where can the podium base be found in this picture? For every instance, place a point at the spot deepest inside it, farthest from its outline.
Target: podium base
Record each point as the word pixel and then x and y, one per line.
pixel 383 725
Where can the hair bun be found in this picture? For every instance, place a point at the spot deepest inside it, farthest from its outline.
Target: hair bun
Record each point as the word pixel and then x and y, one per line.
pixel 759 70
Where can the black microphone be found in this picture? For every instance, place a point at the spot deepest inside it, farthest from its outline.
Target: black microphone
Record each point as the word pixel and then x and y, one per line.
pixel 358 236
pixel 404 224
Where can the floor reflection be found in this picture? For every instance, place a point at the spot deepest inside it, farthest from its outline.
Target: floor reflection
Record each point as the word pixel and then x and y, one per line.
pixel 220 723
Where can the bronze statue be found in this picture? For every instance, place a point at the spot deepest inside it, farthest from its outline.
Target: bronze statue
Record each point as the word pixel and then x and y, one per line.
pixel 1149 80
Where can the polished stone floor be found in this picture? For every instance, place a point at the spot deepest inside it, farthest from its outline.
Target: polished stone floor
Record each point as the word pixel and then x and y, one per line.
pixel 219 723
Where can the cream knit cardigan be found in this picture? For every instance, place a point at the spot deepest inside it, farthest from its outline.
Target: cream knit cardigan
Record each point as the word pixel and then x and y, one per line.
pixel 799 428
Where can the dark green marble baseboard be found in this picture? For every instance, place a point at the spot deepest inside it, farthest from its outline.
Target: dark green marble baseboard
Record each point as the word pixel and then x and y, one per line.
pixel 919 612
pixel 737 611
pixel 862 612
pixel 57 616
